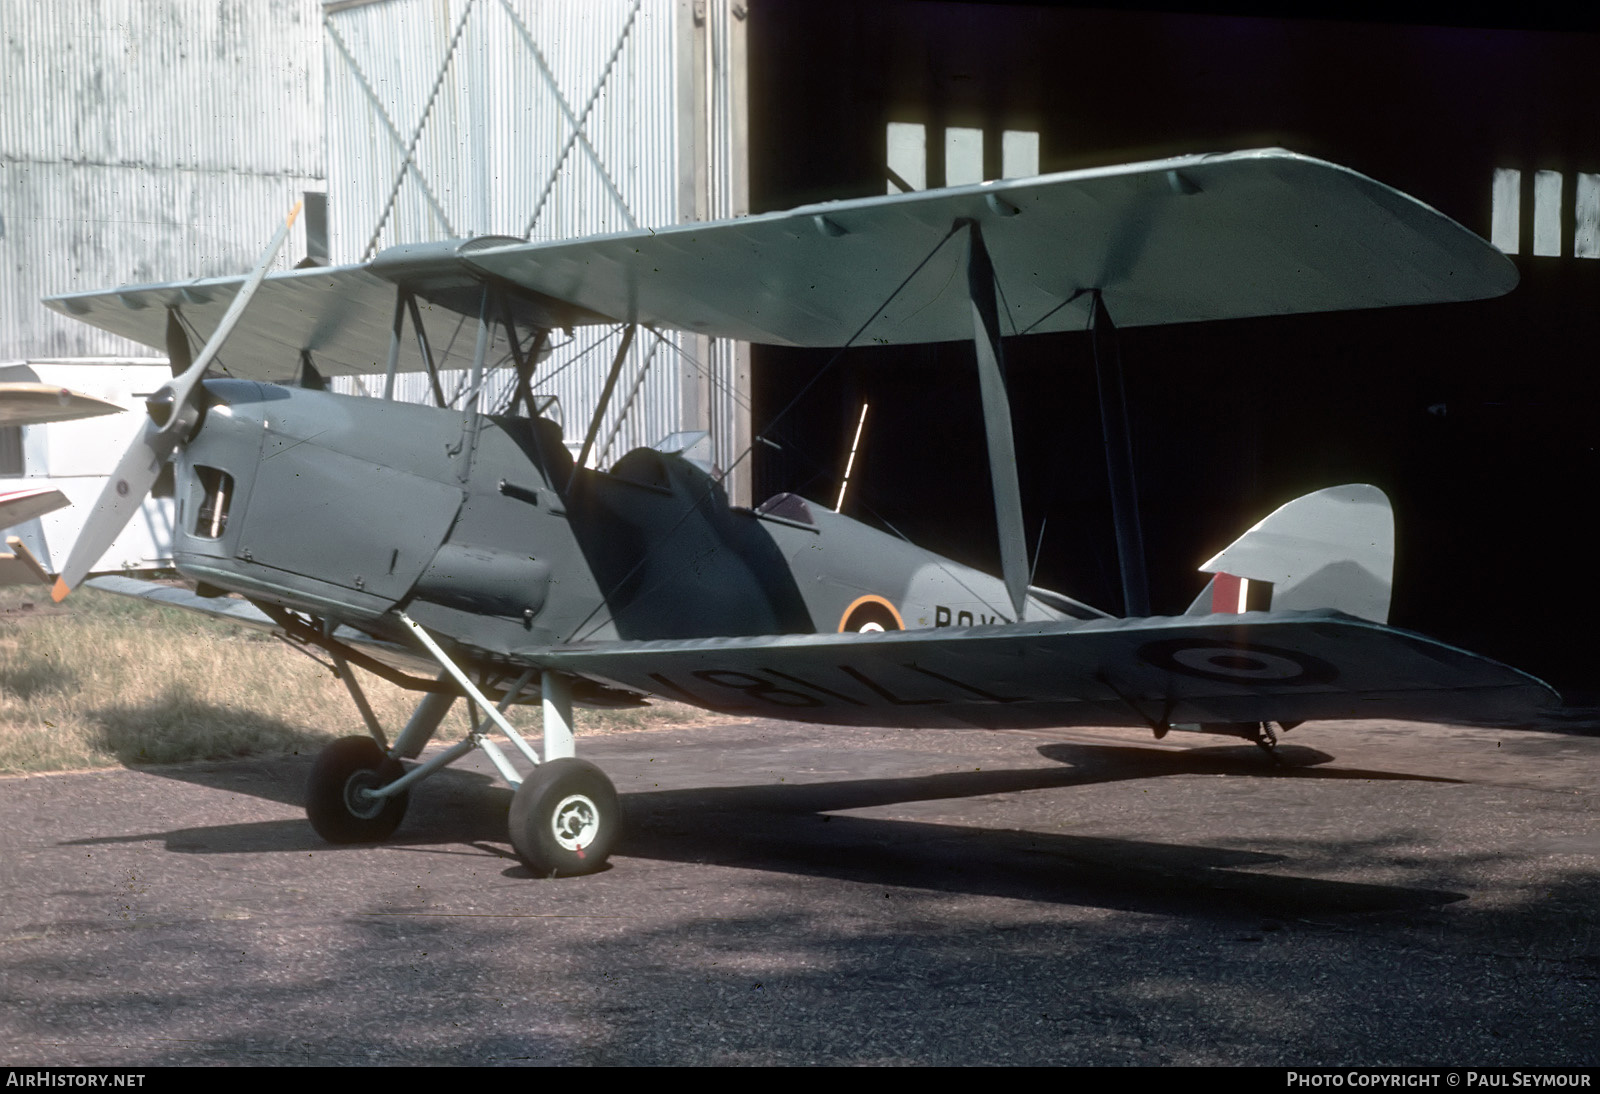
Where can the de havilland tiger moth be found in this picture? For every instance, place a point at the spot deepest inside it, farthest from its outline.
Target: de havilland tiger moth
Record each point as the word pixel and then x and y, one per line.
pixel 390 535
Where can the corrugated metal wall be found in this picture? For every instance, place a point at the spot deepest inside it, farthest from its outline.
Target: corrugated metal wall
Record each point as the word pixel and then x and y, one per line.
pixel 722 99
pixel 452 118
pixel 140 145
pixel 546 120
pixel 143 144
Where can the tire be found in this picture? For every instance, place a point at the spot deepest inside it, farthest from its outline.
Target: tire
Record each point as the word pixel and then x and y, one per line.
pixel 565 818
pixel 348 765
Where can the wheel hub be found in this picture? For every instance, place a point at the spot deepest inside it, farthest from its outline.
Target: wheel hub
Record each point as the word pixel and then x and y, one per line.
pixel 359 798
pixel 575 822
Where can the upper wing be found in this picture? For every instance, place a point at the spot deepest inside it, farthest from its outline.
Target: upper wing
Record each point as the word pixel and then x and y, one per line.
pixel 342 314
pixel 1172 241
pixel 1262 666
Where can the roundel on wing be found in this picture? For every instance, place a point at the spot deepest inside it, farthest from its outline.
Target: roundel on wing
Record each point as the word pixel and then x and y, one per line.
pixel 1237 662
pixel 869 614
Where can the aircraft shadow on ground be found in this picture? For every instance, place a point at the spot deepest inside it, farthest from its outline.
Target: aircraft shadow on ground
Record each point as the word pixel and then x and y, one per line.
pixel 179 727
pixel 795 828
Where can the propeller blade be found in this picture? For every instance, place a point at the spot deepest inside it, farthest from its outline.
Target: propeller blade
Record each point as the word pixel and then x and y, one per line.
pixel 163 432
pixel 184 384
pixel 124 493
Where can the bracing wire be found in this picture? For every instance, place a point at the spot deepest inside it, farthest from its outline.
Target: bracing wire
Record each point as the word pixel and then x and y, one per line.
pixel 573 635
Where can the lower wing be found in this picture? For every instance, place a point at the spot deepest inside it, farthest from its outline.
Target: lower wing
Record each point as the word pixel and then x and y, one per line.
pixel 1266 666
pixel 1254 667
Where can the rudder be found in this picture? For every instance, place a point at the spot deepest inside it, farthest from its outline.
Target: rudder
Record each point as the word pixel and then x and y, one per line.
pixel 1331 549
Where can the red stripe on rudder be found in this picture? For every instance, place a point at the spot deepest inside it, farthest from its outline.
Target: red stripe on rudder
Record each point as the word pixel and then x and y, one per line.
pixel 1225 593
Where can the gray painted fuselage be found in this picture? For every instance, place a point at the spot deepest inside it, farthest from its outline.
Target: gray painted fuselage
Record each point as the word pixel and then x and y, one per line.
pixel 476 526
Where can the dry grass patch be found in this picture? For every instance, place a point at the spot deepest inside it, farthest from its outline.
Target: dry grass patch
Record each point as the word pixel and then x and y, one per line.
pixel 104 680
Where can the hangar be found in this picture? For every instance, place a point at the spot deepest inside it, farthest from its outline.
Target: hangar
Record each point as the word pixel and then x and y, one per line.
pixel 1477 420
pixel 509 117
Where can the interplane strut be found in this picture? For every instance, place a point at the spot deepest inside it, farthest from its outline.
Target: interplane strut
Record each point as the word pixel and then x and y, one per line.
pixel 997 420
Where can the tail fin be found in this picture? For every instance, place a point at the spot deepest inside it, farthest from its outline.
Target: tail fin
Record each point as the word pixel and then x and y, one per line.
pixel 1331 549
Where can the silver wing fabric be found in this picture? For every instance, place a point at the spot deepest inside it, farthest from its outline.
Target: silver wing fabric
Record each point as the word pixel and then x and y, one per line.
pixel 1259 666
pixel 1181 240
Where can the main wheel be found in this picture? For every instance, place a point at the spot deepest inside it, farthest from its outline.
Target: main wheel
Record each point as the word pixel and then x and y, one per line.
pixel 565 818
pixel 334 804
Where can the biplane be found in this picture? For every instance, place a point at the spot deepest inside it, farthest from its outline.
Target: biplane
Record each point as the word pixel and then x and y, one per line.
pixel 385 534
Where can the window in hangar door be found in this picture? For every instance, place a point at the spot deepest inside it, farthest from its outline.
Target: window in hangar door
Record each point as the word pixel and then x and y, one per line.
pixel 907 154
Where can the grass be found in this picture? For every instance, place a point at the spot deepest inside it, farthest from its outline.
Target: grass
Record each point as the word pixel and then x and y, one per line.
pixel 102 681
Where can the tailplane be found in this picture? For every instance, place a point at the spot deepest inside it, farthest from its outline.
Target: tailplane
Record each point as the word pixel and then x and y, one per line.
pixel 1331 549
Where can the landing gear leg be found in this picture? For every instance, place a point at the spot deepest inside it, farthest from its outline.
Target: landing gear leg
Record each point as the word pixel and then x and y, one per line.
pixel 1266 739
pixel 565 816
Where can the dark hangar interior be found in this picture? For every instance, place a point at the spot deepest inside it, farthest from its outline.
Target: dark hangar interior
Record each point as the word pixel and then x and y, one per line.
pixel 1477 419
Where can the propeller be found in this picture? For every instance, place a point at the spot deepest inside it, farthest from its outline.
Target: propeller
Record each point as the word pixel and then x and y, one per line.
pixel 173 411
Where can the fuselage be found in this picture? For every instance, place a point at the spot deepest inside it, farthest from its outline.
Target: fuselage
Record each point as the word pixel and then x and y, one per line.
pixel 478 527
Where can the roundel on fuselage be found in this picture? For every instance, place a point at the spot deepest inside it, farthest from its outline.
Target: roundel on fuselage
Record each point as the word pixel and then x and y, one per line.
pixel 870 614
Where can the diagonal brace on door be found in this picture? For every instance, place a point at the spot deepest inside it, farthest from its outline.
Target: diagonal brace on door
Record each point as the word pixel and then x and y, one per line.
pixel 416 134
pixel 627 404
pixel 588 107
pixel 566 110
pixel 388 123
